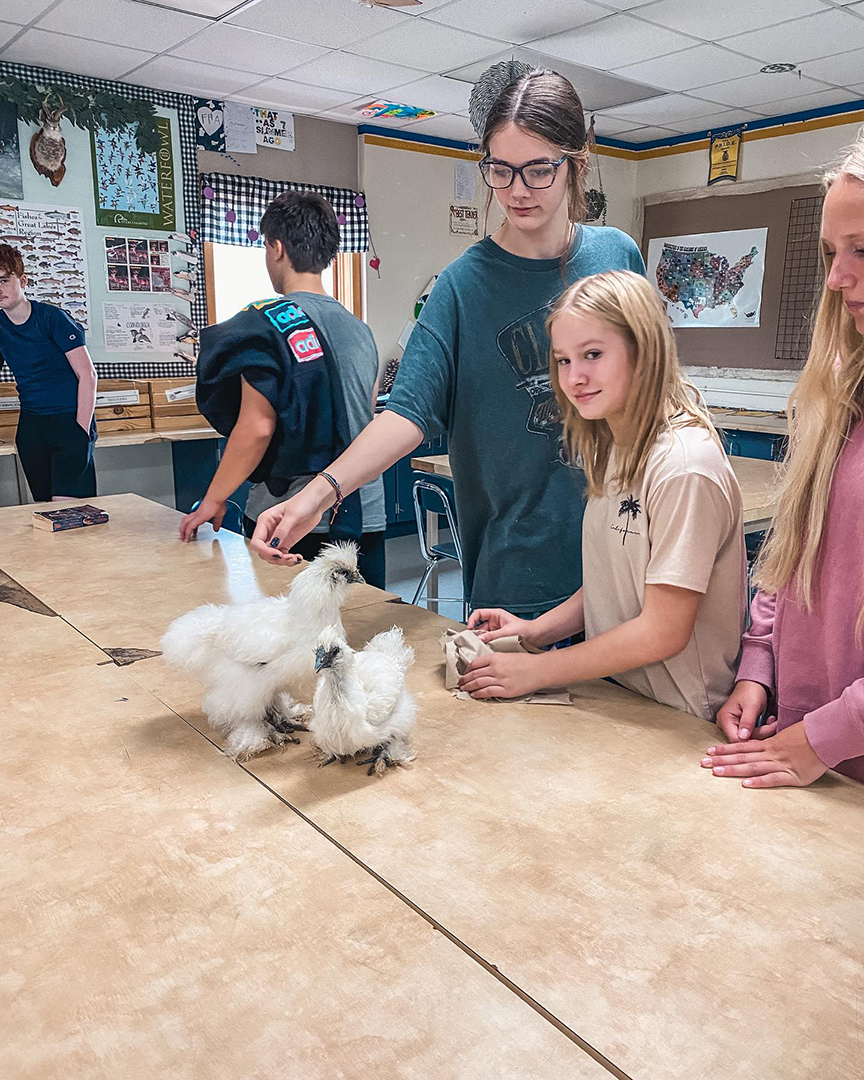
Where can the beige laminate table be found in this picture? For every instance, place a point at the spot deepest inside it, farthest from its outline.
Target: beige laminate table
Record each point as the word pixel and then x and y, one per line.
pixel 756 477
pixel 672 924
pixel 162 915
pixel 122 583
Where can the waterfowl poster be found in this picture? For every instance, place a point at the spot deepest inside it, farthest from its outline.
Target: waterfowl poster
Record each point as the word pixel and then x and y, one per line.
pixel 134 190
pixel 51 241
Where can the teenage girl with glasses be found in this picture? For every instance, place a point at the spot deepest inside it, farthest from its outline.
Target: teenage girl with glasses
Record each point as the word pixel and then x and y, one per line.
pixel 477 367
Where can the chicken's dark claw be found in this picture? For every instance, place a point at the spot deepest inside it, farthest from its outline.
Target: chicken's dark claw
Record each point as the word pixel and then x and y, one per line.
pixel 379 754
pixel 341 758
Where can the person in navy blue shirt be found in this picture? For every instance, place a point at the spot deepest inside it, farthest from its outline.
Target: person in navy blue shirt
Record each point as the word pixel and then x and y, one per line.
pixel 45 350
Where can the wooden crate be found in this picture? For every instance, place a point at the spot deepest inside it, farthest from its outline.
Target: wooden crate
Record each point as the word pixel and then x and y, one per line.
pixel 110 418
pixel 8 417
pixel 123 415
pixel 170 415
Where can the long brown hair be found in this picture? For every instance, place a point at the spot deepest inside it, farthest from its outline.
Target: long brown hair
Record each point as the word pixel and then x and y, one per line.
pixel 660 399
pixel 823 408
pixel 544 103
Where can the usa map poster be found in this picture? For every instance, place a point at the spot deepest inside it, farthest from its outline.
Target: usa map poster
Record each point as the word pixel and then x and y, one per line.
pixel 710 279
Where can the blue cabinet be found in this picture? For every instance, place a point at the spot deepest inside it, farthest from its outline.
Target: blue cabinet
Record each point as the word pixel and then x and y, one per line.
pixel 754 444
pixel 398 484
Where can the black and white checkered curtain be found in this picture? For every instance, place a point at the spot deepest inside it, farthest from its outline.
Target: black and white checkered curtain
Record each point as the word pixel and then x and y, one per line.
pixel 165 99
pixel 233 214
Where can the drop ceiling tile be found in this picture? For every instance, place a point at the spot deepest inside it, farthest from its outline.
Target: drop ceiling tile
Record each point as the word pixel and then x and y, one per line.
pixel 820 100
pixel 805 39
pixel 753 91
pixel 434 92
pixel 14 11
pixel 699 66
pixel 120 22
pixel 668 108
pixel 445 127
pixel 427 45
pixel 714 121
pixel 357 74
pixel 858 90
pixel 212 9
pixel 233 46
pixel 844 69
pixel 348 113
pixel 7 32
pixel 719 20
pixel 613 42
pixel 285 94
pixel 624 5
pixel 613 126
pixel 44 49
pixel 428 5
pixel 648 134
pixel 518 20
pixel 332 23
pixel 187 77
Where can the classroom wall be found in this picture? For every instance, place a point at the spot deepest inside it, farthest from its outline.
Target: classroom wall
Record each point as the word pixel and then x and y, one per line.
pixel 618 180
pixel 761 159
pixel 326 153
pixel 803 154
pixel 409 195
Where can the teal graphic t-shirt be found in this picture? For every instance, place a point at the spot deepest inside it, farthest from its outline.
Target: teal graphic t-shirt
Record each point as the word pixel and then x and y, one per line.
pixel 477 367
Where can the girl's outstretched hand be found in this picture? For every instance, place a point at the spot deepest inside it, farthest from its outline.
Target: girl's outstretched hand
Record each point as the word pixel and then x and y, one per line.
pixel 738 717
pixel 281 526
pixel 785 760
pixel 491 623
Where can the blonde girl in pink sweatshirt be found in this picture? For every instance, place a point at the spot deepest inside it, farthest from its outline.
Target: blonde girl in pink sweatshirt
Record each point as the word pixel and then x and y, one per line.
pixel 803 658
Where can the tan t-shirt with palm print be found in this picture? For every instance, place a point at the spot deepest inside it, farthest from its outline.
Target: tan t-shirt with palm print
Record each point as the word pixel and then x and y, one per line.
pixel 682 526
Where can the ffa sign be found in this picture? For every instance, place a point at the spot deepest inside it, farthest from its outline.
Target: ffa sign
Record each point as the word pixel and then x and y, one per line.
pixel 724 151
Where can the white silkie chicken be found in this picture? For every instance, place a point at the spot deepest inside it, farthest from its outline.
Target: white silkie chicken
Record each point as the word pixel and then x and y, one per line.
pixel 361 702
pixel 257 659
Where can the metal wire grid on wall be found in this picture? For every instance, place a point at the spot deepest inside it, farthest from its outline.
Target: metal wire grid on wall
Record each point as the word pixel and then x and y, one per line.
pixel 802 280
pixel 185 108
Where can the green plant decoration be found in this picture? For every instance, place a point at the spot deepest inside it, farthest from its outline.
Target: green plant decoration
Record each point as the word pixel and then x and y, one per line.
pixel 89 109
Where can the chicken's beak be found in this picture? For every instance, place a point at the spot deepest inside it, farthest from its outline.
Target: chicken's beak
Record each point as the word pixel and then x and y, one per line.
pixel 324 657
pixel 357 578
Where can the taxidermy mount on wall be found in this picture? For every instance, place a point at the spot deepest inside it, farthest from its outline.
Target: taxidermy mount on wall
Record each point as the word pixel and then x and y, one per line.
pixel 48 147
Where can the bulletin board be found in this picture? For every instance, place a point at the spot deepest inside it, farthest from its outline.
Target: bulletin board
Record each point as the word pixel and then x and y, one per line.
pixel 76 191
pixel 792 277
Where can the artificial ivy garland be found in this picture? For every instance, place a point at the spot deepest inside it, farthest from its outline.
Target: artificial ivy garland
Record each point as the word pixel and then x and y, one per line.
pixel 85 109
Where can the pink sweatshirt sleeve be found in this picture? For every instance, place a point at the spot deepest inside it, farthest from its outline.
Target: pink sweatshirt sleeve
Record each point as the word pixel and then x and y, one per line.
pixel 757 652
pixel 836 730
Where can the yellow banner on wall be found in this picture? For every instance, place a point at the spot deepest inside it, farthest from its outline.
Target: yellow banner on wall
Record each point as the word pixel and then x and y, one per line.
pixel 724 153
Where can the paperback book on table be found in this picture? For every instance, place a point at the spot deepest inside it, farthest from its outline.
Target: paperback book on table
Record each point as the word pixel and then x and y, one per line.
pixel 69 517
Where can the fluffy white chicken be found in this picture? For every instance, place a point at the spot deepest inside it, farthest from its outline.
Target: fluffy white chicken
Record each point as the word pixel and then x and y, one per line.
pixel 257 659
pixel 360 702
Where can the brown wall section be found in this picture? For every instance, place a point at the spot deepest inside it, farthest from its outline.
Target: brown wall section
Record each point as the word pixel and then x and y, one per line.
pixel 741 347
pixel 326 154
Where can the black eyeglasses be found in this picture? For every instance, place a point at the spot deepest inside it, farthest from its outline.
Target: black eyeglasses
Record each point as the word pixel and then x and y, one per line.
pixel 535 174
